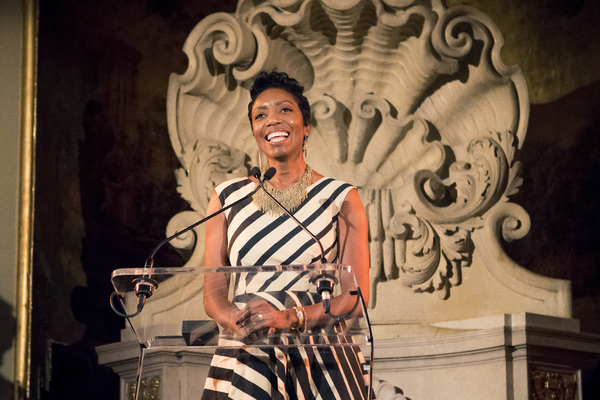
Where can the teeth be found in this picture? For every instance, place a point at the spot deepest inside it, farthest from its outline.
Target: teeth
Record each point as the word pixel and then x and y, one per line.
pixel 276 134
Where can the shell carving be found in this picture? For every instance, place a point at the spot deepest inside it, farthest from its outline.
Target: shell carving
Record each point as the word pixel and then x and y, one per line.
pixel 410 102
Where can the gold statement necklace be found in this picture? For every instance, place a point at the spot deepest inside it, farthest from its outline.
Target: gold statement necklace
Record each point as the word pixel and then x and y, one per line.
pixel 290 198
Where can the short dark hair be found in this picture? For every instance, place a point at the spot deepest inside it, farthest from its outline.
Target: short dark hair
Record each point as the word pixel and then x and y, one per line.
pixel 279 80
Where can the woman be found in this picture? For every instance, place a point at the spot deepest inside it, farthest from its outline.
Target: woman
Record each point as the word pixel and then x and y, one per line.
pixel 257 232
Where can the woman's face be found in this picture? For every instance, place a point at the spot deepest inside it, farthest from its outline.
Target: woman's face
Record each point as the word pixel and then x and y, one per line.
pixel 278 126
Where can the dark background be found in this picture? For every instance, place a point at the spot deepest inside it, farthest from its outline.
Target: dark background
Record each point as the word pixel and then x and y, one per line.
pixel 105 184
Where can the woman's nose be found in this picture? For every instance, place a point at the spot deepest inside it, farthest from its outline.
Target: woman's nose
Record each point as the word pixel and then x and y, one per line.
pixel 273 119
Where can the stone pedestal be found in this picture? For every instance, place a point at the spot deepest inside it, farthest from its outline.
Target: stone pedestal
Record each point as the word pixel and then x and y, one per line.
pixel 504 357
pixel 173 374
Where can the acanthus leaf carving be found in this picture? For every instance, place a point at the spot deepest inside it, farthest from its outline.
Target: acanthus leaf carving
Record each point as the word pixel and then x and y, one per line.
pixel 434 255
pixel 211 162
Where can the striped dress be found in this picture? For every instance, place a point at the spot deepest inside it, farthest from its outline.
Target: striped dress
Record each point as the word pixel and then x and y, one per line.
pixel 284 371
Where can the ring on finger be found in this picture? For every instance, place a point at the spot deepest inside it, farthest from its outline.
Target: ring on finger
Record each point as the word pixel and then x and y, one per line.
pixel 260 316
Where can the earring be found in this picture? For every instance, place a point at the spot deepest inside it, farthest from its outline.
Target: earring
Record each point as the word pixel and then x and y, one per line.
pixel 259 155
pixel 304 152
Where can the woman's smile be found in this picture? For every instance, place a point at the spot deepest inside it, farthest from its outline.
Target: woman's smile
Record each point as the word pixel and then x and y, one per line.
pixel 278 136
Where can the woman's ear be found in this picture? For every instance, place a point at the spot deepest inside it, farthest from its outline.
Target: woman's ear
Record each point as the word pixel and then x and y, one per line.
pixel 307 131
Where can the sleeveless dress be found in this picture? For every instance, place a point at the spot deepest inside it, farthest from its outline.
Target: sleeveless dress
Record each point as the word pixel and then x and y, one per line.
pixel 258 239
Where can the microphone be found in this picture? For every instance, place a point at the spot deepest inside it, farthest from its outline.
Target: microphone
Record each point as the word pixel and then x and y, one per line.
pixel 145 286
pixel 270 173
pixel 325 282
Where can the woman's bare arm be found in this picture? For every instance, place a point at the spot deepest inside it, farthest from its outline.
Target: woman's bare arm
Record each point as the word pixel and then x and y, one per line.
pixel 216 285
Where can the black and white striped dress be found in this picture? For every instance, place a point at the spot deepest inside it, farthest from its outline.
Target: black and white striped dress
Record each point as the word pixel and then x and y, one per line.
pixel 255 238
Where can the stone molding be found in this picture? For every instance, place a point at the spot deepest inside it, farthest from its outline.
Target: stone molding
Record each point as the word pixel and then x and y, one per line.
pixel 498 357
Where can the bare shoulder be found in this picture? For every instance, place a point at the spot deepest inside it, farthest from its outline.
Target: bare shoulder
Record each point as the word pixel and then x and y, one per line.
pixel 214 203
pixel 352 203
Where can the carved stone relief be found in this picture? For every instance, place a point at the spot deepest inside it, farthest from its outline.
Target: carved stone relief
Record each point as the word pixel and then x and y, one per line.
pixel 149 389
pixel 410 102
pixel 550 383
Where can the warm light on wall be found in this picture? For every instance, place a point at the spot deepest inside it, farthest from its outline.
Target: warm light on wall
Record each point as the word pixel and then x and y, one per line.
pixel 26 201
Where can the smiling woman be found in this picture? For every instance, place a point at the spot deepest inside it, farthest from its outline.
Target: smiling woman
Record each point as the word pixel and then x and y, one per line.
pixel 279 130
pixel 258 232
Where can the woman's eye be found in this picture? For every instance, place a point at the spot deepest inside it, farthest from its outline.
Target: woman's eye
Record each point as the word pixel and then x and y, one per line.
pixel 259 116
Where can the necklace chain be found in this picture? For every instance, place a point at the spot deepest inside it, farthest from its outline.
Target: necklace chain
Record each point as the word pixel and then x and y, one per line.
pixel 290 197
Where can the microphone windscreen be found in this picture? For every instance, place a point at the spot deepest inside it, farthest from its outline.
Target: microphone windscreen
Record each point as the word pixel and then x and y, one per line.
pixel 255 172
pixel 270 173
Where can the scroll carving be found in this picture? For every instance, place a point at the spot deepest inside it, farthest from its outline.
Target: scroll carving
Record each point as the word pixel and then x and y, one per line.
pixel 410 102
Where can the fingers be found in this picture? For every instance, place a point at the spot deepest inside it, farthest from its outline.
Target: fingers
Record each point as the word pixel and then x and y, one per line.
pixel 255 313
pixel 257 320
pixel 247 317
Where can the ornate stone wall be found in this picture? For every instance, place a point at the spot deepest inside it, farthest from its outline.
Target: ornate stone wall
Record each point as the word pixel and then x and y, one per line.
pixel 413 105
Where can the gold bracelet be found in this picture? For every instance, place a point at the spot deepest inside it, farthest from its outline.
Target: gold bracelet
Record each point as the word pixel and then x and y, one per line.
pixel 300 326
pixel 302 322
pixel 295 326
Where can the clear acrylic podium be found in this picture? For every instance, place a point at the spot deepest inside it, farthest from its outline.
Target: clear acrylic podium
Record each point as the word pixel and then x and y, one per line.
pixel 174 318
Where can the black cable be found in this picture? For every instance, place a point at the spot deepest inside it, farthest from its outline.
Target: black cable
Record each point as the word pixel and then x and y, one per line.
pixel 348 313
pixel 364 306
pixel 138 378
pixel 120 314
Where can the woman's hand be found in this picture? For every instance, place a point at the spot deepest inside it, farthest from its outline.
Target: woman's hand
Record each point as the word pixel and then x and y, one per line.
pixel 259 316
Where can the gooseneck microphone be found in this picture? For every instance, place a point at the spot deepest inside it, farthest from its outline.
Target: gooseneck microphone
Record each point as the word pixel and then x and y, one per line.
pixel 255 172
pixel 145 286
pixel 325 281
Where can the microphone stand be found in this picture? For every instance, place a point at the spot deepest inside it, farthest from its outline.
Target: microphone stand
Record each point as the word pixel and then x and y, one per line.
pixel 145 286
